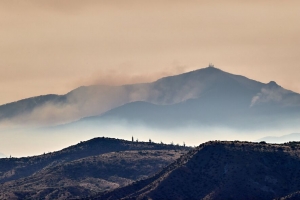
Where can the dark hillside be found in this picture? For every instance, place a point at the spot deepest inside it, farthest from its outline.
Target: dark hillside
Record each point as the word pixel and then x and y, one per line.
pixel 223 170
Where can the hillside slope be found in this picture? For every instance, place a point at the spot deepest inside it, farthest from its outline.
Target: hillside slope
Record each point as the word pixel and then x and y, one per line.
pixel 223 170
pixel 89 175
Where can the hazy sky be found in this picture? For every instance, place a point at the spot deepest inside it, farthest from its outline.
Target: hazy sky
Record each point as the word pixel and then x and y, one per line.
pixel 53 46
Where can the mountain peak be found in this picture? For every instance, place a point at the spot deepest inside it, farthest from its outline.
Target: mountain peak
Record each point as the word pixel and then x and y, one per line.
pixel 204 72
pixel 273 84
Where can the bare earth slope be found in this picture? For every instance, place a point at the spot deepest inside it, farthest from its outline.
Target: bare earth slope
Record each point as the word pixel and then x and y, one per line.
pixel 223 170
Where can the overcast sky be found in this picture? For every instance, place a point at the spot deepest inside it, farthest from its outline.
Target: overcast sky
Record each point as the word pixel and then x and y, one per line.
pixel 53 46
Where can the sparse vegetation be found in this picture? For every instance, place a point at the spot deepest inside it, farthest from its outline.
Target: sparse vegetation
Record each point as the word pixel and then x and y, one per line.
pixel 83 169
pixel 223 170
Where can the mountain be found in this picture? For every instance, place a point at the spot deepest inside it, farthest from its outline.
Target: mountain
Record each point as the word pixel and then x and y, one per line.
pixel 207 95
pixel 282 139
pixel 2 155
pixel 83 169
pixel 222 170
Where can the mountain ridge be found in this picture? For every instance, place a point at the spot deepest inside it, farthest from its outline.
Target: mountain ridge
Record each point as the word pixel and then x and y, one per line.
pixel 222 170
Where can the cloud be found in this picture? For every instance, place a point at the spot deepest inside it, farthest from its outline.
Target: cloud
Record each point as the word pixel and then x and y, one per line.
pixel 97 99
pixel 127 73
pixel 268 95
pixel 276 94
pixel 49 114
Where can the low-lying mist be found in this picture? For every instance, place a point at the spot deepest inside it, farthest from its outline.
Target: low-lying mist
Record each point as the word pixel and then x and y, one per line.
pixel 22 142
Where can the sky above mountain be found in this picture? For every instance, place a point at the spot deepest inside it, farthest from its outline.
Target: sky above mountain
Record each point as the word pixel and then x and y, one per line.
pixel 54 46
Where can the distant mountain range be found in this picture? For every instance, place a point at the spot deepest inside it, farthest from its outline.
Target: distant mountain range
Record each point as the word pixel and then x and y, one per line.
pixel 87 168
pixel 2 155
pixel 282 139
pixel 204 97
pixel 222 170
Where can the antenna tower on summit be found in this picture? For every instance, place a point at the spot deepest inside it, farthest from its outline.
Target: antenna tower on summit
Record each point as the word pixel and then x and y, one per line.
pixel 211 65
